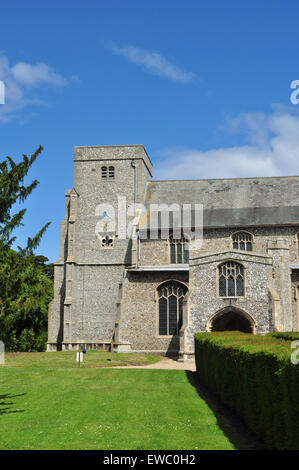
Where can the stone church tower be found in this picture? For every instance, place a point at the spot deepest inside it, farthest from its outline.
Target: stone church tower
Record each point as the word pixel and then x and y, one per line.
pixel 154 294
pixel 89 270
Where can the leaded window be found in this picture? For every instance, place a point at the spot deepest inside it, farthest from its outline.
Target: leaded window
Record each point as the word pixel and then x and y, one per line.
pixel 104 172
pixel 242 241
pixel 231 279
pixel 107 172
pixel 170 297
pixel 179 250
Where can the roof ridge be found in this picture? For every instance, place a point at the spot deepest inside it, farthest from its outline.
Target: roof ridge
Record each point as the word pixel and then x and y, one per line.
pixel 224 179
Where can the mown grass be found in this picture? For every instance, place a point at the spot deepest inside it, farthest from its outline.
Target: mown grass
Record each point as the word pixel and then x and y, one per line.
pixel 68 359
pixel 47 402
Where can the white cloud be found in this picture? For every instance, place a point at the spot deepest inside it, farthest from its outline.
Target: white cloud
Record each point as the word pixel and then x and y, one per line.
pixel 273 151
pixel 27 74
pixel 153 62
pixel 20 81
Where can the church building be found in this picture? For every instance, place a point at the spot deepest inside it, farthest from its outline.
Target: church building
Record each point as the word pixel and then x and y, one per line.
pixel 153 290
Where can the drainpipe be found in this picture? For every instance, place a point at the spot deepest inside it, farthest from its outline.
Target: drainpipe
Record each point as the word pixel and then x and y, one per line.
pixel 135 183
pixel 133 164
pixel 138 249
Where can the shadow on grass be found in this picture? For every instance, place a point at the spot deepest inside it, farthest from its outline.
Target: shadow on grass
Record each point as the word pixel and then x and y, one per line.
pixel 234 429
pixel 9 404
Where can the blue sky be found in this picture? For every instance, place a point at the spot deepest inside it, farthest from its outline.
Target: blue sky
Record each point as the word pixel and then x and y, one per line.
pixel 204 86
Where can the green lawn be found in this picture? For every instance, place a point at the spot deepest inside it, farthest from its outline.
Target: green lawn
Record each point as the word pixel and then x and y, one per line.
pixel 67 359
pixel 46 402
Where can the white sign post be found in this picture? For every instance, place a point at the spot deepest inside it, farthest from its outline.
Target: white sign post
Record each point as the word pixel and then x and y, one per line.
pixel 79 357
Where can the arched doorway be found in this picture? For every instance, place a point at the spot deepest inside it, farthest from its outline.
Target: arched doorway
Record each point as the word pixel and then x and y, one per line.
pixel 232 320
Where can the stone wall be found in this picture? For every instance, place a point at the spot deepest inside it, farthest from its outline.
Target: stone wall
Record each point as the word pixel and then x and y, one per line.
pixel 204 299
pixel 156 252
pixel 138 323
pixel 94 302
pixel 220 239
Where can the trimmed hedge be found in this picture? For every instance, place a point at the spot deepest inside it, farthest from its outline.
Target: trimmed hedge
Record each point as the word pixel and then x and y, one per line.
pixel 254 376
pixel 288 335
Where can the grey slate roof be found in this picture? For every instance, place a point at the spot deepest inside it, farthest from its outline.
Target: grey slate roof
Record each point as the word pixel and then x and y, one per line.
pixel 233 202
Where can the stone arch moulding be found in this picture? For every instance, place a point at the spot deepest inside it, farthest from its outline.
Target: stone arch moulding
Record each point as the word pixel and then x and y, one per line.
pixel 159 284
pixel 238 311
pixel 169 281
pixel 235 232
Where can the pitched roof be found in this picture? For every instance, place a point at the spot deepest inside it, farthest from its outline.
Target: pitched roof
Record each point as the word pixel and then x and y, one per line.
pixel 233 202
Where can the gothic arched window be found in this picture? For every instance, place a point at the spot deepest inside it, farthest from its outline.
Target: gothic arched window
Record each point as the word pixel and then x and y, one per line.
pixel 231 279
pixel 179 250
pixel 242 241
pixel 170 297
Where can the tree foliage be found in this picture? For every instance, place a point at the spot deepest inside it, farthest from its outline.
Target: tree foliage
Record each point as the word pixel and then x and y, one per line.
pixel 26 280
pixel 25 292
